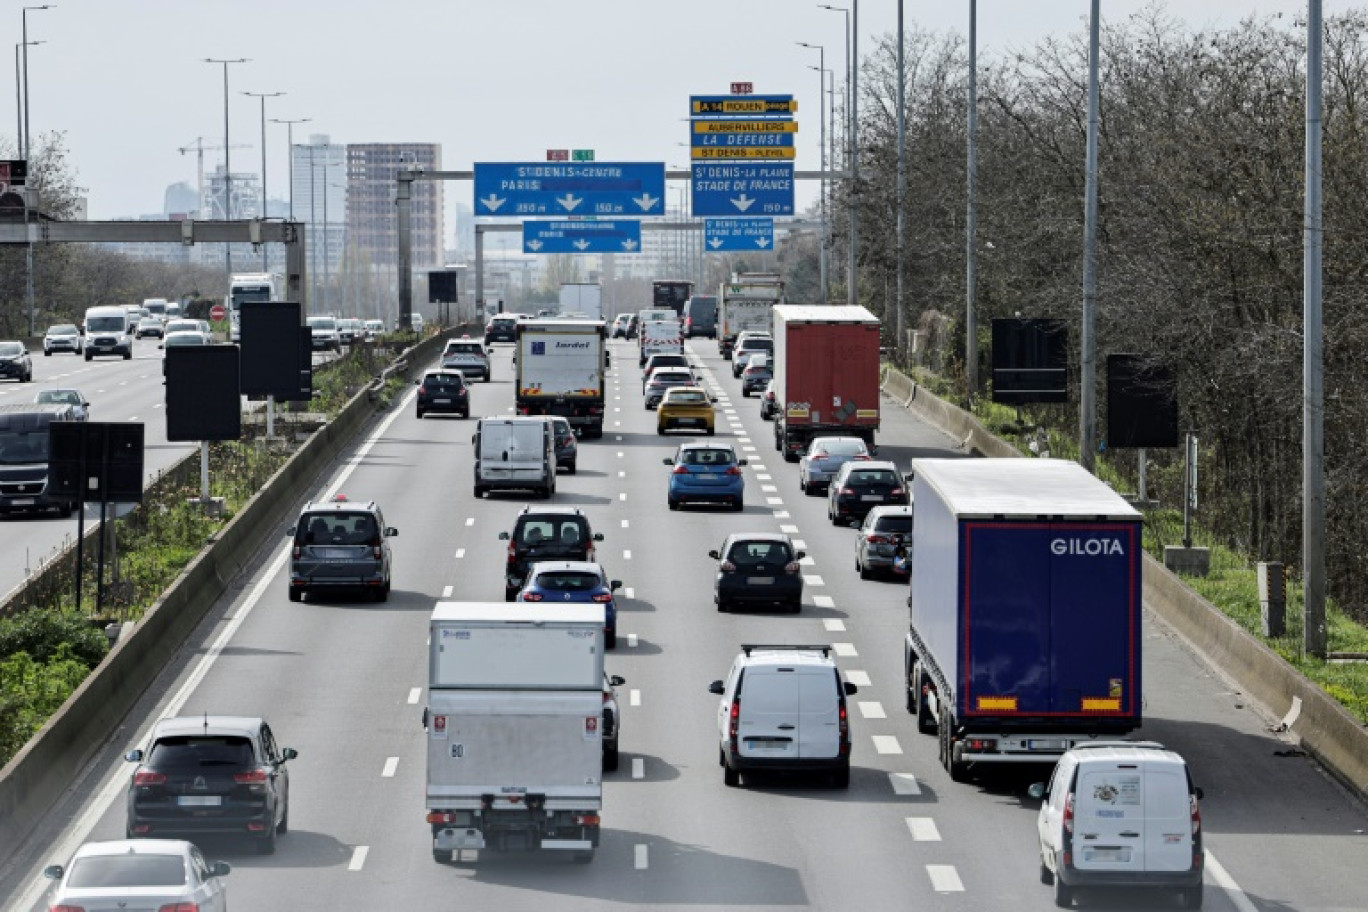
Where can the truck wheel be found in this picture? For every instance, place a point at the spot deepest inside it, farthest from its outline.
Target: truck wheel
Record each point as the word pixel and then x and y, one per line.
pixel 841 777
pixel 479 492
pixel 1192 897
pixel 865 572
pixel 730 777
pixel 1063 894
pixel 88 356
pixel 610 759
pixel 295 595
pixel 1046 875
pixel 442 856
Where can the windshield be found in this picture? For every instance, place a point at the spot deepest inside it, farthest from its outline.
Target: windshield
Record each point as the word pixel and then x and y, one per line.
pixel 894 524
pixel 66 329
pixel 249 293
pixel 324 323
pixel 23 447
pixel 691 397
pixel 334 528
pixel 184 338
pixel 59 396
pixel 758 345
pixel 11 349
pixel 105 324
pixel 838 447
pixel 568 581
pixel 126 871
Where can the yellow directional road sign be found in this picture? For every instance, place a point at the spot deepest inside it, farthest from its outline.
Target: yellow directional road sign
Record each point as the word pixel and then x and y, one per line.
pixel 745 126
pixel 758 105
pixel 738 152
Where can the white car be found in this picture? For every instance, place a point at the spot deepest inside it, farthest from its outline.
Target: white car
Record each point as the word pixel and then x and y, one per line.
pixel 139 874
pixel 182 324
pixel 325 334
pixel 186 337
pixel 71 397
pixel 63 337
pixel 374 329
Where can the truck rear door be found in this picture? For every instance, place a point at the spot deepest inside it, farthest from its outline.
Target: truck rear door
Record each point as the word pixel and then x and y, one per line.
pixel 770 713
pixel 819 731
pixel 1168 817
pixel 1109 817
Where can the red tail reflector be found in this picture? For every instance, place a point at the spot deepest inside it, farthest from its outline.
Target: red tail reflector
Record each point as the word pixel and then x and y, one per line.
pixel 791 567
pixel 251 777
pixel 422 390
pixel 586 819
pixel 680 470
pixel 728 567
pixel 734 470
pixel 819 456
pixel 877 539
pixel 1068 814
pixel 440 817
pixel 863 457
pixel 734 721
pixel 531 597
pixel 65 908
pixel 848 492
pixel 1196 816
pixel 603 597
pixel 147 777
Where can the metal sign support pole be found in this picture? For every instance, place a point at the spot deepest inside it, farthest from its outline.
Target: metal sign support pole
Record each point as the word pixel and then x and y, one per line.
pixel 204 472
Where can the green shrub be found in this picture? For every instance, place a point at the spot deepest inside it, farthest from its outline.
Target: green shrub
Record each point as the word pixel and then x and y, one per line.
pixel 31 691
pixel 44 634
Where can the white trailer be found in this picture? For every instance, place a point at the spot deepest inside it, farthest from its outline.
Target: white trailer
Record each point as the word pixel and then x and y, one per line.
pixel 582 299
pixel 513 720
pixel 560 371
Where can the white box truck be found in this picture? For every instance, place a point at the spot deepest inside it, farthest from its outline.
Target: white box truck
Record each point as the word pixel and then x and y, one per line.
pixel 513 720
pixel 583 300
pixel 747 304
pixel 560 371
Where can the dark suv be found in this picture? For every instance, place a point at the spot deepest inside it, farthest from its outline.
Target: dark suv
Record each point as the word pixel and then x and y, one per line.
pixel 443 392
pixel 211 774
pixel 545 534
pixel 859 487
pixel 501 329
pixel 340 545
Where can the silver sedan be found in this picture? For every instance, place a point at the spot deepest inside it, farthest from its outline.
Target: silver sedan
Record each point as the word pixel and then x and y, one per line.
pixel 824 458
pixel 139 874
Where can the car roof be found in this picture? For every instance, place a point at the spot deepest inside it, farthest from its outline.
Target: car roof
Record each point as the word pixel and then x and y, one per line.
pixel 704 445
pixel 759 536
pixel 439 372
pixel 247 726
pixel 551 511
pixel 890 510
pixel 566 567
pixel 685 389
pixel 1110 752
pixel 134 847
pixel 764 655
pixel 863 465
pixel 340 506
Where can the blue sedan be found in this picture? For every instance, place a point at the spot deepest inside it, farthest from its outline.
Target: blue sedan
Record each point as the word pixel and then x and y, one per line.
pixel 707 473
pixel 574 581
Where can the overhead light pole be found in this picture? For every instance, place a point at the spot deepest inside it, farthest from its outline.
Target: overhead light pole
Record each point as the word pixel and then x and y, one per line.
pixel 25 40
pixel 28 255
pixel 971 219
pixel 19 108
pixel 227 160
pixel 852 63
pixel 289 140
pixel 263 96
pixel 821 109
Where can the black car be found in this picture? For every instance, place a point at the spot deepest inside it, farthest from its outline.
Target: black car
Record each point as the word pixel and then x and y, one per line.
pixel 545 534
pixel 211 774
pixel 567 445
pixel 339 546
pixel 859 487
pixel 758 568
pixel 15 362
pixel 443 392
pixel 501 329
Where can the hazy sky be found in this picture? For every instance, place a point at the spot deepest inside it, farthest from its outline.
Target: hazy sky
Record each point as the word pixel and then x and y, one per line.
pixel 494 80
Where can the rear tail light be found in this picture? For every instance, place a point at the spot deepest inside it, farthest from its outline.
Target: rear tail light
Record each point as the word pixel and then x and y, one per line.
pixel 733 722
pixel 375 552
pixel 1068 813
pixel 66 908
pixel 422 390
pixel 251 777
pixel 147 777
pixel 440 817
pixel 734 470
pixel 680 470
pixel 819 456
pixel 877 539
pixel 897 492
pixel 179 907
pixel 603 597
pixel 848 492
pixel 512 552
pixel 863 457
pixel 981 745
pixel 586 819
pixel 1196 816
pixel 297 552
pixel 728 567
pixel 844 729
pixel 791 567
pixel 531 597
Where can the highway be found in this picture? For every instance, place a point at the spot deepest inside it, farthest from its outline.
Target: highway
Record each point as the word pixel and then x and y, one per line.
pixel 343 682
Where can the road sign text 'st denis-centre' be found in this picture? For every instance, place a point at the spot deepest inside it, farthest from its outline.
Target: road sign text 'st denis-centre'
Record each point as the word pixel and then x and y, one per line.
pixel 569 188
pixel 743 105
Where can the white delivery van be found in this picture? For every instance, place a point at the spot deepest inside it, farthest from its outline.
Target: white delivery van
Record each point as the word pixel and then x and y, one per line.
pixel 1120 813
pixel 783 708
pixel 659 337
pixel 108 331
pixel 515 454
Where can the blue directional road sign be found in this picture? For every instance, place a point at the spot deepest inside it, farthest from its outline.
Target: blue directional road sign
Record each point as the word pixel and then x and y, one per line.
pixel 590 236
pixel 742 188
pixel 722 234
pixel 570 188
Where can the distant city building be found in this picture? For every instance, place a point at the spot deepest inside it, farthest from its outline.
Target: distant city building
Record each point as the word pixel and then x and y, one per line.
pixel 372 225
pixel 318 197
pixel 181 199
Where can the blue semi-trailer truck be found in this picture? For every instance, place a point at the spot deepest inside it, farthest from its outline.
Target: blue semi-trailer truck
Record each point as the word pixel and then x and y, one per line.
pixel 1024 605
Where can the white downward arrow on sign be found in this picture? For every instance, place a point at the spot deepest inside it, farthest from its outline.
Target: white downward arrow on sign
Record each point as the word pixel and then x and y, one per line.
pixel 534 245
pixel 569 201
pixel 492 202
pixel 743 202
pixel 646 201
pixel 715 242
pixel 581 244
pixel 629 244
pixel 762 242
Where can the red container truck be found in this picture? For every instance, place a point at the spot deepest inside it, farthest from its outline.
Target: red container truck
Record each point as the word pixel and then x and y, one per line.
pixel 826 375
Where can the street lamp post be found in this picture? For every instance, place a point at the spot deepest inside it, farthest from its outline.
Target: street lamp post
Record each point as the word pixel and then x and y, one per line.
pixel 289 140
pixel 821 90
pixel 28 254
pixel 227 161
pixel 265 266
pixel 850 142
pixel 313 223
pixel 25 46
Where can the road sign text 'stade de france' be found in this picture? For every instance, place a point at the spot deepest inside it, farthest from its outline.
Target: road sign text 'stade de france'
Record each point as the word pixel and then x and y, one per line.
pixel 722 234
pixel 588 236
pixel 569 188
pixel 742 188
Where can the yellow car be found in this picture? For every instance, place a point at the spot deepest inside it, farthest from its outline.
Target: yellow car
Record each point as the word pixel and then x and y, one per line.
pixel 685 407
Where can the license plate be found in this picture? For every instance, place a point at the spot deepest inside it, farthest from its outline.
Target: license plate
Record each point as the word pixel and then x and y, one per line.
pixel 872 497
pixel 1107 855
pixel 1046 744
pixel 688 421
pixel 441 402
pixel 707 476
pixel 766 745
pixel 760 580
pixel 199 801
pixel 22 502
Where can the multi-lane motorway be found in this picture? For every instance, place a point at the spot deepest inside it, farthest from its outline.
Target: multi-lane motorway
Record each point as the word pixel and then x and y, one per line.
pixel 343 683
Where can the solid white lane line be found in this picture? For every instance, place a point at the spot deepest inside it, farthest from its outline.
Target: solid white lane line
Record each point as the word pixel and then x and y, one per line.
pixel 844 649
pixel 789 530
pixel 1227 883
pixel 634 697
pixel 833 625
pixel 460 553
pixel 415 694
pixel 944 879
pixel 391 764
pixel 858 678
pixel 470 520
pixel 447 590
pixel 923 829
pixel 638 768
pixel 886 744
pixel 904 784
pixel 640 859
pixel 631 641
pixel 812 579
pixel 358 859
pixel 872 709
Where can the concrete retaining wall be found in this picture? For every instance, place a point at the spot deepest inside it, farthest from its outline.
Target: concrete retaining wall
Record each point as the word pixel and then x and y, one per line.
pixel 1326 730
pixel 33 781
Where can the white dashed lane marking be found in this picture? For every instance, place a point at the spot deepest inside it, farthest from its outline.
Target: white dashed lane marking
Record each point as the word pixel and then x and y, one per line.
pixel 904 784
pixel 358 859
pixel 774 501
pixel 872 709
pixel 626 555
pixel 638 768
pixel 470 520
pixel 858 678
pixel 634 697
pixel 631 594
pixel 844 649
pixel 806 561
pixel 415 693
pixel 799 543
pixel 391 764
pixel 769 489
pixel 789 530
pixel 447 590
pixel 824 601
pixel 622 496
pixel 640 857
pixel 812 579
pixel 886 744
pixel 833 625
pixel 631 641
pixel 923 829
pixel 763 476
pixel 945 879
pixel 781 514
pixel 460 553
pixel 624 524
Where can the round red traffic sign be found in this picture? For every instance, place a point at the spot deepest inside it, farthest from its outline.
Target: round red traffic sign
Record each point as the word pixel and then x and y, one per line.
pixel 218 312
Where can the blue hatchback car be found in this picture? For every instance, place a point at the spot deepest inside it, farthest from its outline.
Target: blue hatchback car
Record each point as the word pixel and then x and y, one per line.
pixel 574 581
pixel 706 473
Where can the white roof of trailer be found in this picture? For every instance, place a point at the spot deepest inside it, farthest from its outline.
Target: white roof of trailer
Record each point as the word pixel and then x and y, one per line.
pixel 526 612
pixel 1021 488
pixel 810 313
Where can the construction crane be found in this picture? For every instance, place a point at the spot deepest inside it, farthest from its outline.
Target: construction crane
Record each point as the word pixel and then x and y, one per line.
pixel 199 147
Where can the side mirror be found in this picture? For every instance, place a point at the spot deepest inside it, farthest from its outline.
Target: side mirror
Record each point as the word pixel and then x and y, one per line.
pixel 617 680
pixel 161 345
pixel 799 555
pixel 134 756
pixel 220 869
pixel 667 461
pixel 849 688
pixel 53 872
pixel 390 532
pixel 503 536
pixel 289 753
pixel 614 585
pixel 716 688
pixel 598 536
pixel 1036 790
pixel 417 382
pixel 290 531
pixel 714 555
